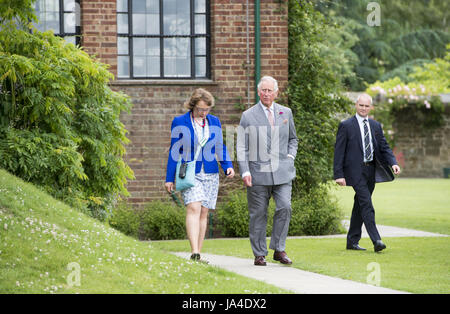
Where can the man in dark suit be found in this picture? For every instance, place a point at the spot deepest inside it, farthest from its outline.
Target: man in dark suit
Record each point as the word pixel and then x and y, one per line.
pixel 361 158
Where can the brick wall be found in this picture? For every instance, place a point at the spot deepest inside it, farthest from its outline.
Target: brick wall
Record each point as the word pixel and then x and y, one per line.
pixel 156 103
pixel 422 153
pixel 99 30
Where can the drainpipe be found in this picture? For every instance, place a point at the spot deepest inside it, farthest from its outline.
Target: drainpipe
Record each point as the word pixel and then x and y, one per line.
pixel 257 48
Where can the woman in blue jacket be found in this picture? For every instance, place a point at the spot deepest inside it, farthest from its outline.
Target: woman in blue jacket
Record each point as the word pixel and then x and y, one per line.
pixel 188 131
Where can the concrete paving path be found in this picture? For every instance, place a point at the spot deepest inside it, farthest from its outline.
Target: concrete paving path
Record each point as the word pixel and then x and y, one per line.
pixel 300 281
pixel 289 278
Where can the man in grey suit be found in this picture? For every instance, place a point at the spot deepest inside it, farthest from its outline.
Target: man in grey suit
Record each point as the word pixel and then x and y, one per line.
pixel 266 149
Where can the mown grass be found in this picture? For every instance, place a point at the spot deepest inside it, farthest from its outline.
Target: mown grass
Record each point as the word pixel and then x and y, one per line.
pixel 418 265
pixel 421 204
pixel 40 237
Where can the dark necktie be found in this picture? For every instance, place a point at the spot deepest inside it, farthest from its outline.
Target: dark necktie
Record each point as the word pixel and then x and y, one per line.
pixel 367 148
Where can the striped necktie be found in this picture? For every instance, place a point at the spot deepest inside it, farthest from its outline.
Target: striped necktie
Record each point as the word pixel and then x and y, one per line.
pixel 367 148
pixel 270 117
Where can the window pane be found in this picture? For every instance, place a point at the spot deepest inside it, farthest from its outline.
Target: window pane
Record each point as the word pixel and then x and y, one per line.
pixel 139 46
pixel 139 6
pixel 200 46
pixel 122 6
pixel 71 39
pixel 122 23
pixel 200 66
pixel 200 6
pixel 123 66
pixel 51 5
pixel 69 22
pixel 177 57
pixel 51 21
pixel 153 66
pixel 122 45
pixel 146 24
pixel 152 21
pixel 152 47
pixel 146 6
pixel 177 17
pixel 139 66
pixel 200 24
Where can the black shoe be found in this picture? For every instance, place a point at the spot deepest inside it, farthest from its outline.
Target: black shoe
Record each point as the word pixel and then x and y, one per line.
pixel 379 246
pixel 195 257
pixel 355 247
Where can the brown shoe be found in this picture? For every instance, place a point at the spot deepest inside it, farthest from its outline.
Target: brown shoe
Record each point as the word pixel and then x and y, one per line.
pixel 260 261
pixel 282 257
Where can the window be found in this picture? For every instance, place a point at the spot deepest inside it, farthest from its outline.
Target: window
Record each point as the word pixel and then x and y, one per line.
pixel 163 39
pixel 61 16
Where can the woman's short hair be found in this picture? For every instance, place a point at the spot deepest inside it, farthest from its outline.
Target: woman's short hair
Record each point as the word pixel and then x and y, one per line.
pixel 197 95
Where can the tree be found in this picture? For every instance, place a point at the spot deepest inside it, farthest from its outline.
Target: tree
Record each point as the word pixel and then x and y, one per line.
pixel 59 120
pixel 314 96
pixel 410 32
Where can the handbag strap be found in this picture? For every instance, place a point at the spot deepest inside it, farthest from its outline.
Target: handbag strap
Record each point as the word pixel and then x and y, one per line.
pixel 199 148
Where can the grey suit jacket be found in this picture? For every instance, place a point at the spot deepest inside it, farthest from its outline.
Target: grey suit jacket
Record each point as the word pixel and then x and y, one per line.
pixel 262 150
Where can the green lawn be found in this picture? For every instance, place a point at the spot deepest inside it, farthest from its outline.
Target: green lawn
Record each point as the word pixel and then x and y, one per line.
pixel 418 265
pixel 422 204
pixel 43 241
pixel 40 237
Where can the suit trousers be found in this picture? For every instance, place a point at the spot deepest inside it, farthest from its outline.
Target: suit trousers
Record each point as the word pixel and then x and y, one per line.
pixel 363 211
pixel 258 197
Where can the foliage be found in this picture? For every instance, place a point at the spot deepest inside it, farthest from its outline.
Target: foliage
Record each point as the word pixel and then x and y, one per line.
pixel 410 30
pixel 158 220
pixel 418 100
pixel 163 221
pixel 313 214
pixel 314 96
pixel 233 218
pixel 59 120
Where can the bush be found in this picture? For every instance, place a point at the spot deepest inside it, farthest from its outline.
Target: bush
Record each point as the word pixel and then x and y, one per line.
pixel 312 214
pixel 315 214
pixel 126 220
pixel 156 221
pixel 163 221
pixel 59 120
pixel 233 217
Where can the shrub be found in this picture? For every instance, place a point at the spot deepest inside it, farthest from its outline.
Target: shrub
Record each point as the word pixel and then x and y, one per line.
pixel 315 214
pixel 233 217
pixel 59 120
pixel 312 214
pixel 158 220
pixel 163 221
pixel 126 220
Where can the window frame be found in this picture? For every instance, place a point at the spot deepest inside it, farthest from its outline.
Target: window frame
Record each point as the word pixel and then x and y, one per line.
pixel 61 13
pixel 161 36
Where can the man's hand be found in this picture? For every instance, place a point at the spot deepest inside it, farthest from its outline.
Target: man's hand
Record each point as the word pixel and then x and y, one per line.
pixel 247 181
pixel 396 169
pixel 341 181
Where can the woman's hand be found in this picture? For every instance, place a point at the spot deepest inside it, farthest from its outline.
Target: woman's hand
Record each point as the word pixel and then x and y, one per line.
pixel 169 186
pixel 230 173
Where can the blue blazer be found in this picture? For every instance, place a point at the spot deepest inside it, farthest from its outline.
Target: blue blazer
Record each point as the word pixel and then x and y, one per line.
pixel 349 154
pixel 184 143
